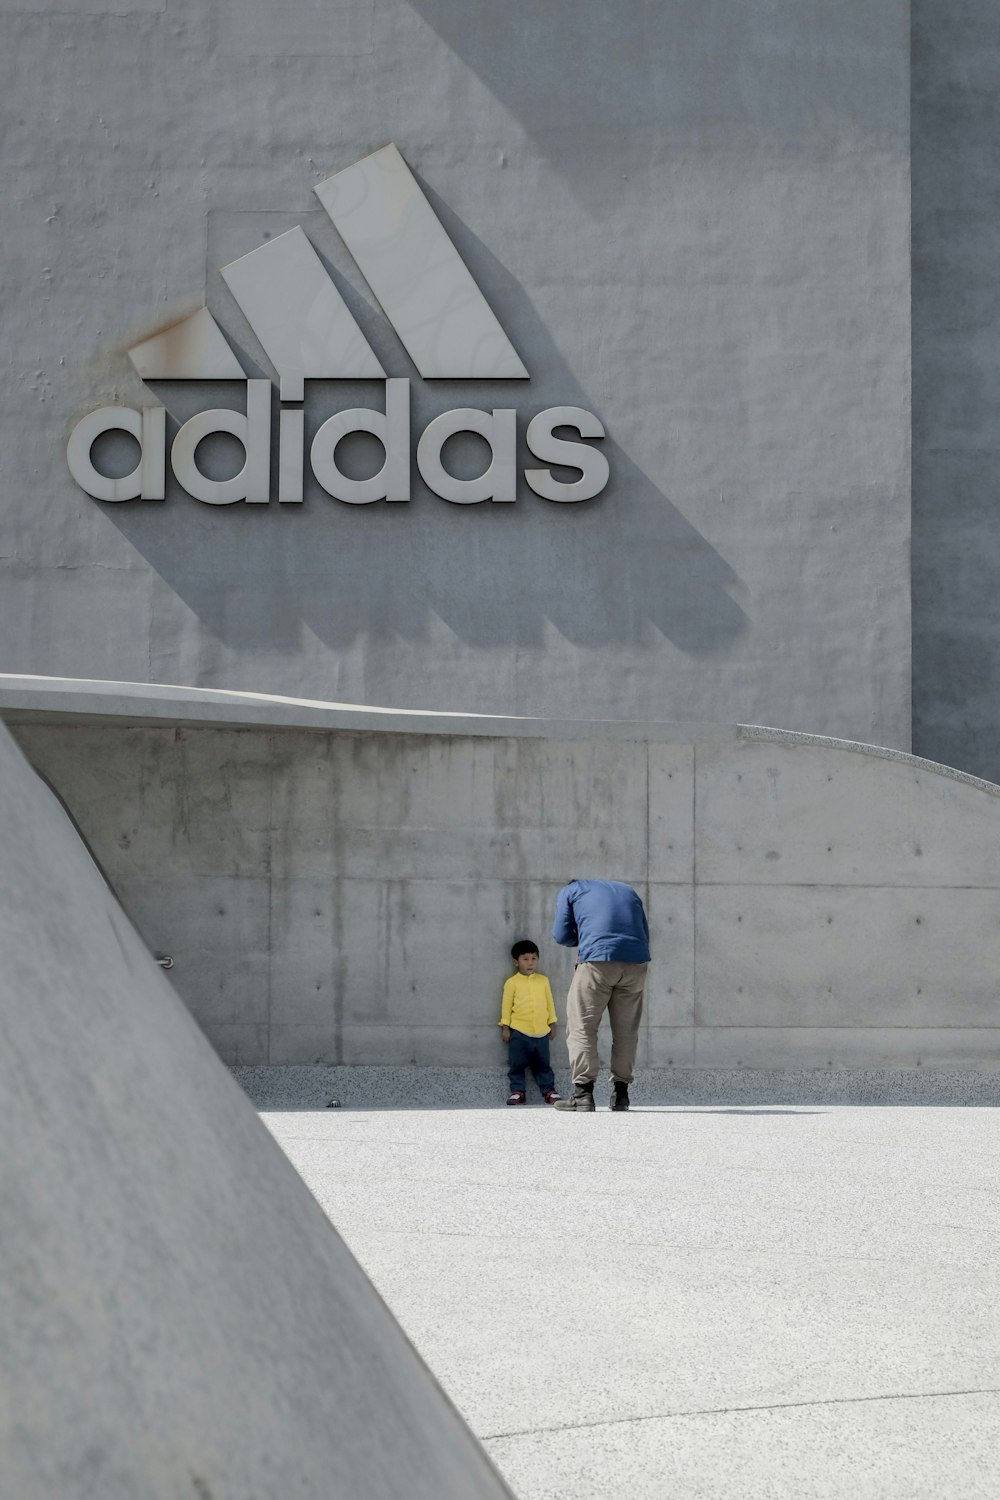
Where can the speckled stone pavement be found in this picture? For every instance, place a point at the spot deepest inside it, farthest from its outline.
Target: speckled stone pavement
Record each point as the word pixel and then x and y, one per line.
pixel 694 1302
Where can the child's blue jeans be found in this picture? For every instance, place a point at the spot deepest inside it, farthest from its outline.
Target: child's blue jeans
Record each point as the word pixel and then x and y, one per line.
pixel 529 1052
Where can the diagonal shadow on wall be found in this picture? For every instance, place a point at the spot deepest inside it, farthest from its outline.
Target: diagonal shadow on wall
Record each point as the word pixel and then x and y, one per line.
pixel 626 567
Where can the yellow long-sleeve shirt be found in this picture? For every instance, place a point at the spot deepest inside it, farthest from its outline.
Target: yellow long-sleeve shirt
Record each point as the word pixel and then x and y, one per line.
pixel 527 1004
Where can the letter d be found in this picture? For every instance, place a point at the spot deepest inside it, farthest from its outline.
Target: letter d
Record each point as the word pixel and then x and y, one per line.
pixel 392 482
pixel 253 482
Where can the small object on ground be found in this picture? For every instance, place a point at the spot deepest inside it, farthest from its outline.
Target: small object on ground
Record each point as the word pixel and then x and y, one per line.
pixel 550 1096
pixel 582 1102
pixel 619 1099
pixel 333 1104
pixel 517 1097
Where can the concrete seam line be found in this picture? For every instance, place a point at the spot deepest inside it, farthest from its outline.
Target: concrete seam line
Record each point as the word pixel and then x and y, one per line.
pixel 725 1411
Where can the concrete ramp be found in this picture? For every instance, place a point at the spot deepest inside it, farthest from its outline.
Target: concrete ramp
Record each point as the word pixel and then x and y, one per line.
pixel 177 1317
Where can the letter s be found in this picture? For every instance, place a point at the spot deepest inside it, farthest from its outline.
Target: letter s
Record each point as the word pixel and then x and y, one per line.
pixel 543 443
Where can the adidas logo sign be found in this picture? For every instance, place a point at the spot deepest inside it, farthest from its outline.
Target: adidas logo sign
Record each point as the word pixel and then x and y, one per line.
pixel 308 333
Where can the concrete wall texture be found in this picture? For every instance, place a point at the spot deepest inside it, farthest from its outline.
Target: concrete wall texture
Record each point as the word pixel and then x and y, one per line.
pixel 351 898
pixel 692 219
pixel 180 1320
pixel 956 383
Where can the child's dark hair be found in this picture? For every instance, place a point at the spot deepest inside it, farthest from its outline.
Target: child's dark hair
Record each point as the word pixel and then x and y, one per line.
pixel 524 946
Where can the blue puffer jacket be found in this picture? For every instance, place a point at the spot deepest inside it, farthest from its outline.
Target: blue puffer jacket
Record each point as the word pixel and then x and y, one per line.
pixel 604 919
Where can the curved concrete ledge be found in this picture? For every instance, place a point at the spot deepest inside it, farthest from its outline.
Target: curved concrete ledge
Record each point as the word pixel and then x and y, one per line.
pixel 143 703
pixel 24 698
pixel 345 890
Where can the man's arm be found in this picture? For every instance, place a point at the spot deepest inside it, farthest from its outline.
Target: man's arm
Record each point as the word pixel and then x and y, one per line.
pixel 564 927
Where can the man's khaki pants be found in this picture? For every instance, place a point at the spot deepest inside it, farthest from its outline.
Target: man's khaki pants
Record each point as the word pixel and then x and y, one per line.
pixel 596 988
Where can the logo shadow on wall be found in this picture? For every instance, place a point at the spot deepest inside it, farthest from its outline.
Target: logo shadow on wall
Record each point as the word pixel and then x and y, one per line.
pixel 621 568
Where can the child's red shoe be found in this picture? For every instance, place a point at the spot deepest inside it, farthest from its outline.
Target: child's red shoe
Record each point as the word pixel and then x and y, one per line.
pixel 517 1097
pixel 550 1096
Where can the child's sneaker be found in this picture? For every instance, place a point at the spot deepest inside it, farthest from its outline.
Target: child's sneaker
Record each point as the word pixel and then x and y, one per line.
pixel 517 1097
pixel 550 1096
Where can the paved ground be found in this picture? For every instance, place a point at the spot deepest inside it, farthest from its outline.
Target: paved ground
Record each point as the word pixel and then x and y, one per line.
pixel 690 1302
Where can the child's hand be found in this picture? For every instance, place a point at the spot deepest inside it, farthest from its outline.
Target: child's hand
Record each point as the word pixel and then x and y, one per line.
pixel 505 1033
pixel 552 1029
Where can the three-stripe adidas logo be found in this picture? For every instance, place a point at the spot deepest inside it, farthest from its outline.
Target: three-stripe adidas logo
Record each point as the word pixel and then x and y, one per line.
pixel 308 332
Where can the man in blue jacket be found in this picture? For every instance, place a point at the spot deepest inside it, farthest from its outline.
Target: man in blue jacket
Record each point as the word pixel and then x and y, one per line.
pixel 605 920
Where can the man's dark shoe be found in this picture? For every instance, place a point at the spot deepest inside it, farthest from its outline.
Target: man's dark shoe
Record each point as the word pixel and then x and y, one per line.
pixel 619 1099
pixel 582 1101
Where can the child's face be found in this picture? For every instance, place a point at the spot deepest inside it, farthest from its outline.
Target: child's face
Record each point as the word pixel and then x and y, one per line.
pixel 527 963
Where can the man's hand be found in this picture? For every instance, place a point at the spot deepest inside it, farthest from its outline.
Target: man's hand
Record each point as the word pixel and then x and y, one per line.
pixel 505 1033
pixel 552 1029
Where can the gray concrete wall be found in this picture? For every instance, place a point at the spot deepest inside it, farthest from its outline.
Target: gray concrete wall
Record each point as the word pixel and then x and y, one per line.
pixel 956 383
pixel 692 218
pixel 350 897
pixel 180 1321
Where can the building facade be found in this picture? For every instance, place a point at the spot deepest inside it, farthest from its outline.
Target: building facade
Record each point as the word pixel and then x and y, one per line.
pixel 425 428
pixel 691 222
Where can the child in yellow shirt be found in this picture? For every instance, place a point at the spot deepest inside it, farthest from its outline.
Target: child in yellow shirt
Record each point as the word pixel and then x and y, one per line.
pixel 527 1022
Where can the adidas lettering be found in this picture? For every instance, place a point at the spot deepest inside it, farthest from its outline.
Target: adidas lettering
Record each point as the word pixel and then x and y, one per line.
pixel 392 483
